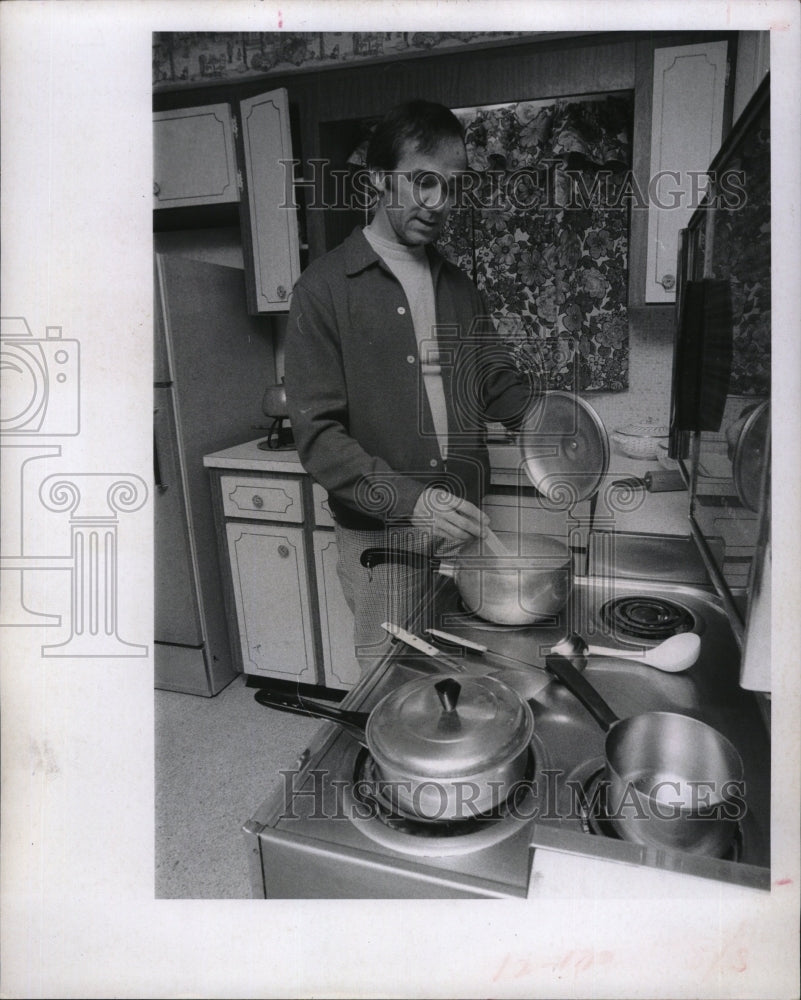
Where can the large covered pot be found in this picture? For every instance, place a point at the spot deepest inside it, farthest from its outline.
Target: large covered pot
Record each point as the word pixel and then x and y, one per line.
pixel 446 747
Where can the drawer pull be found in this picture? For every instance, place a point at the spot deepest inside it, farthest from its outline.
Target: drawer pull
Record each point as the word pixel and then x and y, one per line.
pixel 258 501
pixel 281 292
pixel 283 551
pixel 668 282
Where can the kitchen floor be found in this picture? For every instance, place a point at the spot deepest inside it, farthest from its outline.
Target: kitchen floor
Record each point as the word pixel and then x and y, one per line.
pixel 217 759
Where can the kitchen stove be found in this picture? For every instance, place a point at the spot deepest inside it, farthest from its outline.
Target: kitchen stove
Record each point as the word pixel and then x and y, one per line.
pixel 323 833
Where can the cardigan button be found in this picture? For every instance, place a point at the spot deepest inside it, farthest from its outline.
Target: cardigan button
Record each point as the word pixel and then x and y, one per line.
pixel 401 310
pixel 411 359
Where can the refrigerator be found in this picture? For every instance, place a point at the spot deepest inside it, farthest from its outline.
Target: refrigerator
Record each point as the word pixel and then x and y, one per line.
pixel 212 362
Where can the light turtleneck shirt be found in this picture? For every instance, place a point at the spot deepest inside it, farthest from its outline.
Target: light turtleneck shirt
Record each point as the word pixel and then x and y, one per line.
pixel 410 266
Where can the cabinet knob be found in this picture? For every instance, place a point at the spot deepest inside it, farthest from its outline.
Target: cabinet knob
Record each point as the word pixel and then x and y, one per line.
pixel 156 188
pixel 281 292
pixel 668 282
pixel 283 551
pixel 258 501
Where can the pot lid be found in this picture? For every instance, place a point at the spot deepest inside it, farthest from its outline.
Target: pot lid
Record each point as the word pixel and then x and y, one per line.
pixel 565 448
pixel 449 726
pixel 647 430
pixel 750 456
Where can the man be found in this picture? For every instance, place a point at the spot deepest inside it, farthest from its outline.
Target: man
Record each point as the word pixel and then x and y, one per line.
pixel 392 370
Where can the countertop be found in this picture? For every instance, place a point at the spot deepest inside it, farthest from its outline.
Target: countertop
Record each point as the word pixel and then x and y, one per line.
pixel 651 513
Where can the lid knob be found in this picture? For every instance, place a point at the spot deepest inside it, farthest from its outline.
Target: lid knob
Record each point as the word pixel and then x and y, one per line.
pixel 448 691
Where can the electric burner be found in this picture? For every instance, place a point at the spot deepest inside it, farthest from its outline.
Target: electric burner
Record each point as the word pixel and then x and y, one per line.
pixel 595 820
pixel 646 617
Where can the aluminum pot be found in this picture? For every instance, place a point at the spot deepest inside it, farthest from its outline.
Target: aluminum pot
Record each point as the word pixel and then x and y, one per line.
pixel 445 747
pixel 532 583
pixel 673 781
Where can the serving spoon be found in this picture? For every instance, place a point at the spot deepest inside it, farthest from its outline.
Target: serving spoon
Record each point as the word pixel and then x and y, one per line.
pixel 674 654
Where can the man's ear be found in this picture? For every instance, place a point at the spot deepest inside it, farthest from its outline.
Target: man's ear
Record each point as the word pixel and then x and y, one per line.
pixel 380 180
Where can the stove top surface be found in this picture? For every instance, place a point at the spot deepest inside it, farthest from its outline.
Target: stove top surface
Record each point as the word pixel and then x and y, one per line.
pixel 568 746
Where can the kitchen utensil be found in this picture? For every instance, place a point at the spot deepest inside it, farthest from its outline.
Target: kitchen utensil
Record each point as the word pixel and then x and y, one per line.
pixel 640 440
pixel 565 448
pixel 750 455
pixel 446 747
pixel 494 544
pixel 524 677
pixel 673 781
pixel 674 654
pixel 531 583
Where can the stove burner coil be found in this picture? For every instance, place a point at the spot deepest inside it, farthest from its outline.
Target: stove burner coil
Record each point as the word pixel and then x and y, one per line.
pixel 595 820
pixel 368 791
pixel 646 617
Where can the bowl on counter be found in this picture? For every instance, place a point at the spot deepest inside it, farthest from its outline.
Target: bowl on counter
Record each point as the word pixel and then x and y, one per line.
pixel 640 440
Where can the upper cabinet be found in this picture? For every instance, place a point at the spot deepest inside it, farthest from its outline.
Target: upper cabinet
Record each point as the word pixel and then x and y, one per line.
pixel 753 62
pixel 217 154
pixel 194 162
pixel 269 217
pixel 688 103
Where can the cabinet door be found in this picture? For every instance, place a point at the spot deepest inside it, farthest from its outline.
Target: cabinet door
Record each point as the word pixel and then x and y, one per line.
pixel 268 571
pixel 336 620
pixel 687 123
pixel 270 221
pixel 194 161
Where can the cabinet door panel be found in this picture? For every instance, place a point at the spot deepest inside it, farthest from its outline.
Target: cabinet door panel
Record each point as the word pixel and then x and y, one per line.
pixel 272 604
pixel 336 620
pixel 688 98
pixel 194 161
pixel 271 224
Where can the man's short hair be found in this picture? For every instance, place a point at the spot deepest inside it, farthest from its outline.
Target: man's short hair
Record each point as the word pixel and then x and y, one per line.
pixel 424 124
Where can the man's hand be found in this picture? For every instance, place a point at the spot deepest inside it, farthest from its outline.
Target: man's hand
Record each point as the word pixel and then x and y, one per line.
pixel 448 516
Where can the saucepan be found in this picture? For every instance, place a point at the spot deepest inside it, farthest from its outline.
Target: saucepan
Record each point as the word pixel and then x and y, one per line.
pixel 446 747
pixel 673 781
pixel 531 583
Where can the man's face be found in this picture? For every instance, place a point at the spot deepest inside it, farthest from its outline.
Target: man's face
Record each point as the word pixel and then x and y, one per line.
pixel 418 195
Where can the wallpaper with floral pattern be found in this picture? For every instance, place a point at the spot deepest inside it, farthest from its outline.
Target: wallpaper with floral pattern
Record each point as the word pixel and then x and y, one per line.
pixel 545 235
pixel 192 57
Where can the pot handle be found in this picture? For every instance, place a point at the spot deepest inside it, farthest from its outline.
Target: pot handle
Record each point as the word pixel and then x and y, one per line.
pixel 576 682
pixel 354 722
pixel 419 560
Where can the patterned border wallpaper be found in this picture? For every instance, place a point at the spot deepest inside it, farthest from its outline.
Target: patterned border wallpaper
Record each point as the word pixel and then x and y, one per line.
pixel 189 58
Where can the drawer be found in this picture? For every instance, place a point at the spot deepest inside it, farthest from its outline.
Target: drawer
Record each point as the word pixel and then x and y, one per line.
pixel 262 499
pixel 322 512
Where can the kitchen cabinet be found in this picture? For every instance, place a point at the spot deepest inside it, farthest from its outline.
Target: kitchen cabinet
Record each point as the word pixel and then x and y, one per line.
pixel 268 572
pixel 287 615
pixel 689 85
pixel 194 160
pixel 269 218
pixel 214 154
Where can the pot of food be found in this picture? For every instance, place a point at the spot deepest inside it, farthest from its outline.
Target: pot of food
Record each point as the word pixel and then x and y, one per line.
pixel 673 781
pixel 530 583
pixel 445 747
